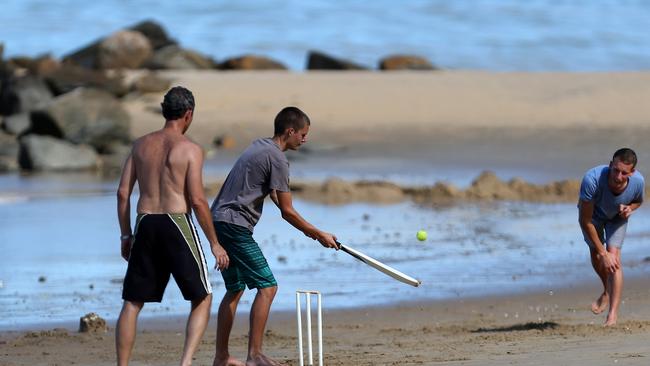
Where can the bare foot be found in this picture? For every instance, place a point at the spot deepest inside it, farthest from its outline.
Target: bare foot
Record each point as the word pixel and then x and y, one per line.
pixel 611 321
pixel 600 305
pixel 230 361
pixel 262 360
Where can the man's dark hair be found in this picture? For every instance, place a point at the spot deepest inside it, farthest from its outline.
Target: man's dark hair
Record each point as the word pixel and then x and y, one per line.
pixel 178 100
pixel 290 117
pixel 625 155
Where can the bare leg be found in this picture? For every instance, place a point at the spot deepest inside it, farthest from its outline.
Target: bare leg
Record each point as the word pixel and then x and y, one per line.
pixel 258 317
pixel 600 304
pixel 225 320
pixel 615 290
pixel 195 328
pixel 125 331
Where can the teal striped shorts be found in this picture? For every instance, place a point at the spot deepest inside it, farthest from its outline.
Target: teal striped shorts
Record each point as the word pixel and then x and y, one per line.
pixel 248 267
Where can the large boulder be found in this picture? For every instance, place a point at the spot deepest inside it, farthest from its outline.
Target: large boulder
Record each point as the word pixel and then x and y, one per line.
pixel 16 124
pixel 150 82
pixel 175 57
pixel 405 62
pixel 251 62
pixel 123 49
pixel 23 94
pixel 156 34
pixel 84 116
pixel 48 153
pixel 84 57
pixel 320 61
pixel 69 77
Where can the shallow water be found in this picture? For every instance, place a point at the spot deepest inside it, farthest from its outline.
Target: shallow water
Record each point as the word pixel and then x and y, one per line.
pixel 71 243
pixel 506 35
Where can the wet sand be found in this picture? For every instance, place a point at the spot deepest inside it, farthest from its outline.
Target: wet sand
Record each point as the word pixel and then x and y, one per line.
pixel 553 327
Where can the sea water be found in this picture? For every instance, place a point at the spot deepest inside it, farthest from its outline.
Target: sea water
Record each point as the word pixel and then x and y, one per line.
pixel 506 35
pixel 61 254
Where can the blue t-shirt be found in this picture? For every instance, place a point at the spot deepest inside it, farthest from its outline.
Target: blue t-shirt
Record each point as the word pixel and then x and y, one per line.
pixel 594 188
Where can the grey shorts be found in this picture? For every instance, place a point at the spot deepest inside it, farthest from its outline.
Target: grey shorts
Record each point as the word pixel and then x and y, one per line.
pixel 611 233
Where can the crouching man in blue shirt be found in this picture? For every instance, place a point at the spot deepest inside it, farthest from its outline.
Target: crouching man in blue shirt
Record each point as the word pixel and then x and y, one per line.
pixel 608 196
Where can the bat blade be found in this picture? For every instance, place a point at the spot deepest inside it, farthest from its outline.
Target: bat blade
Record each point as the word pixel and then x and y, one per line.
pixel 380 266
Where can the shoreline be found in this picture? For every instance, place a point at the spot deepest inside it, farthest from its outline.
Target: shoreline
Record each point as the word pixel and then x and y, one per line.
pixel 528 328
pixel 170 322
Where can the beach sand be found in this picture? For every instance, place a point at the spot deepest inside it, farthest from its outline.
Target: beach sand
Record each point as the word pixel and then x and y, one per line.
pixel 554 327
pixel 562 123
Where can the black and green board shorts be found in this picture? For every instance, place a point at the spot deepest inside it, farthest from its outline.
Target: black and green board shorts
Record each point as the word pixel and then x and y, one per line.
pixel 165 244
pixel 247 267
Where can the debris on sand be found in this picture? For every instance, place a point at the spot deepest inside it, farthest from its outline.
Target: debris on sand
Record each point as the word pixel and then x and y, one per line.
pixel 92 323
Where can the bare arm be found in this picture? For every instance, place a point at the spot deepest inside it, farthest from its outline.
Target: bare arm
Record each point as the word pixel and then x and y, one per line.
pixel 285 204
pixel 586 213
pixel 200 205
pixel 124 190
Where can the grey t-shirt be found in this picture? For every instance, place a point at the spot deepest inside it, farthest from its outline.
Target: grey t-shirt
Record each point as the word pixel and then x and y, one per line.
pixel 262 167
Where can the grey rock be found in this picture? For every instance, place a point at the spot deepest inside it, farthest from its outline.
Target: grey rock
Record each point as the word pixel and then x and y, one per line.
pixel 320 61
pixel 175 57
pixel 23 94
pixel 48 153
pixel 151 83
pixel 70 77
pixel 16 124
pixel 84 116
pixel 123 49
pixel 156 34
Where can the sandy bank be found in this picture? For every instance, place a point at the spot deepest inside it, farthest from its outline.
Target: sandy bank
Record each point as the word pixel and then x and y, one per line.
pixel 564 122
pixel 553 327
pixel 365 101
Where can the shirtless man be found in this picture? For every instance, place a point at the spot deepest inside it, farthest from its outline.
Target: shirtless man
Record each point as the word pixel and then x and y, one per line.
pixel 168 168
pixel 262 170
pixel 608 196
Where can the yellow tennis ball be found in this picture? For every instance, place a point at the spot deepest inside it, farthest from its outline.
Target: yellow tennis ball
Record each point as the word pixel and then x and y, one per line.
pixel 421 235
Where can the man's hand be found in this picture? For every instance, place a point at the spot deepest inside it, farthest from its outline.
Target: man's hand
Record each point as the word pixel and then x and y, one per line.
pixel 126 248
pixel 610 262
pixel 221 256
pixel 624 211
pixel 326 239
